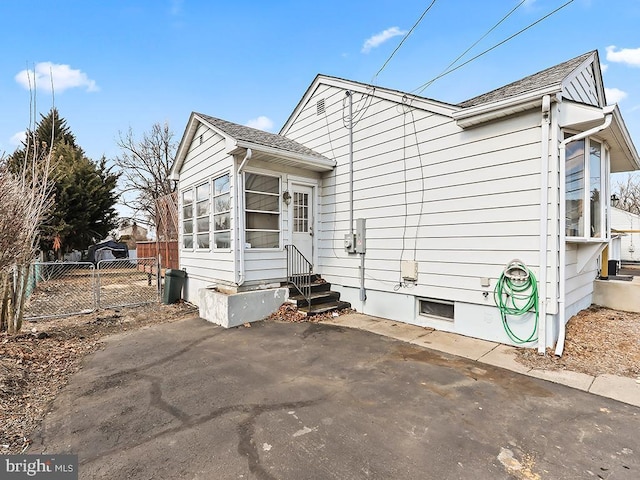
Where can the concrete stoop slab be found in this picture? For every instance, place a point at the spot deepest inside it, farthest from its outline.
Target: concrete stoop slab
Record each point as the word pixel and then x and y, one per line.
pixel 454 344
pixel 623 389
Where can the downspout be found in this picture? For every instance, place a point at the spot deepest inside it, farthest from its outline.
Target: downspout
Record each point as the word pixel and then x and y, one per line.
pixel 562 327
pixel 239 209
pixel 544 218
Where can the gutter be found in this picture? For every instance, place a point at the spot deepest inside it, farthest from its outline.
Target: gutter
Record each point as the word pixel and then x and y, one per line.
pixel 239 207
pixel 562 326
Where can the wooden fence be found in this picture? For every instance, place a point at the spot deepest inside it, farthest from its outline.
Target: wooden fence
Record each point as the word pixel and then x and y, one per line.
pixel 168 252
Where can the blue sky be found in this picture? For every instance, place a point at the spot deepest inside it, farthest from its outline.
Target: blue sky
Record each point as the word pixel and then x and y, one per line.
pixel 120 64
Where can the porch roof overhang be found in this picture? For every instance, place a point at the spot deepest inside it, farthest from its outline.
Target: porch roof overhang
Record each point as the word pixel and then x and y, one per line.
pixel 580 117
pixel 278 156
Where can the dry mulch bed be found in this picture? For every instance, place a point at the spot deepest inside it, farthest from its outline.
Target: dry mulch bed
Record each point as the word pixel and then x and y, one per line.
pixel 36 364
pixel 598 341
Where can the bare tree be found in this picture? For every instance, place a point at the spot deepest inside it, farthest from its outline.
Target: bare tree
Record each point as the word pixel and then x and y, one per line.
pixel 627 194
pixel 145 165
pixel 25 200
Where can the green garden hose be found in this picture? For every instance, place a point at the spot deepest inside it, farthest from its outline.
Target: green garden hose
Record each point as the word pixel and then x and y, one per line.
pixel 516 295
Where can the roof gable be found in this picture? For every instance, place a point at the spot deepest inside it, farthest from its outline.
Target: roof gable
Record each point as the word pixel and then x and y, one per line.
pixel 570 78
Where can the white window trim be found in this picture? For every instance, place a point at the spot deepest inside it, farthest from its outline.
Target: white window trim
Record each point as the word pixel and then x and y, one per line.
pixel 265 173
pixel 604 188
pixel 213 213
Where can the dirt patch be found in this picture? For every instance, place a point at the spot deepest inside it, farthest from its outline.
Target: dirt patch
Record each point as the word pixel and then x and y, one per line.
pixel 36 364
pixel 598 341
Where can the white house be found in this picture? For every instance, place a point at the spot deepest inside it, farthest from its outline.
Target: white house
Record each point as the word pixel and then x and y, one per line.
pixel 622 220
pixel 410 207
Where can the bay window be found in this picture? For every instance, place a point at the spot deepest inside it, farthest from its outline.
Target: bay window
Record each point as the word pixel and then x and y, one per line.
pixel 586 189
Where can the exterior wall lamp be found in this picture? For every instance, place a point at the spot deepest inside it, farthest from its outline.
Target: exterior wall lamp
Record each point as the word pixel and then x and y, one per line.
pixel 286 196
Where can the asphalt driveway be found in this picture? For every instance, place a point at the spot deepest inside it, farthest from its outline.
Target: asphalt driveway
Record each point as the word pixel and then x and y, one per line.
pixel 307 401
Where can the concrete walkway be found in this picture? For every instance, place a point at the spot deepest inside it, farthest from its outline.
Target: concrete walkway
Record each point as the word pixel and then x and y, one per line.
pixel 623 389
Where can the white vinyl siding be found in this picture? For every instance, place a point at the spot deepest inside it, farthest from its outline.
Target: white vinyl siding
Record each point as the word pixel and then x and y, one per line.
pixel 462 203
pixel 205 162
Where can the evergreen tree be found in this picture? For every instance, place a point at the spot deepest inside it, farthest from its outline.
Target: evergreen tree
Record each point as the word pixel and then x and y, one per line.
pixel 84 190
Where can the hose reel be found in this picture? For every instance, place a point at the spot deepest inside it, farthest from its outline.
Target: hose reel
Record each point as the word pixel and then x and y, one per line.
pixel 516 294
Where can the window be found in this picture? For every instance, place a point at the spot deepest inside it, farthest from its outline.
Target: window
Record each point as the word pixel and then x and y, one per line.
pixel 195 217
pixel 221 212
pixel 436 308
pixel 262 211
pixel 187 219
pixel 300 212
pixel 202 215
pixel 585 188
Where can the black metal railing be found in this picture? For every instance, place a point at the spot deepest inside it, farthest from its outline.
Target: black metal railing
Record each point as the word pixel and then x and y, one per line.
pixel 299 271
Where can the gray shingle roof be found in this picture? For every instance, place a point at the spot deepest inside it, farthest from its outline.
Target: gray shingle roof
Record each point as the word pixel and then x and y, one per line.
pixel 259 137
pixel 545 78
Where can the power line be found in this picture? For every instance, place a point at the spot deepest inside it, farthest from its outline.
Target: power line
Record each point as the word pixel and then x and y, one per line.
pixel 447 72
pixel 420 90
pixel 402 41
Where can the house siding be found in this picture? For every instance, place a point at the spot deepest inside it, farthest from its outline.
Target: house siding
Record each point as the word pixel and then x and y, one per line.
pixel 204 161
pixel 582 88
pixel 462 203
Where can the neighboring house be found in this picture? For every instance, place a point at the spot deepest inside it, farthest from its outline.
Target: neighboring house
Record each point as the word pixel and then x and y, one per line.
pixel 448 195
pixel 624 221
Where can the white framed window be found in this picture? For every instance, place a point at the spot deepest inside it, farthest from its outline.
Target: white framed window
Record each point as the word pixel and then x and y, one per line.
pixel 586 189
pixel 187 219
pixel 221 212
pixel 262 210
pixel 196 208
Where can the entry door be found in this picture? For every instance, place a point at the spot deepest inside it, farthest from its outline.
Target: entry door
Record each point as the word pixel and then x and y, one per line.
pixel 302 220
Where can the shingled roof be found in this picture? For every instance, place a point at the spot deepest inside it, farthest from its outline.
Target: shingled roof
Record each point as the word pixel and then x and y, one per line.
pixel 259 137
pixel 544 78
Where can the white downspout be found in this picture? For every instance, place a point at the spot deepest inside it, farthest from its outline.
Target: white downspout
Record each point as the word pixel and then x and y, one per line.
pixel 544 218
pixel 562 327
pixel 239 209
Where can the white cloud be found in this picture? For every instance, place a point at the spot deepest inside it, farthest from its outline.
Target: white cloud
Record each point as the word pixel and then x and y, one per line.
pixel 614 95
pixel 629 56
pixel 64 77
pixel 261 123
pixel 379 38
pixel 18 139
pixel 604 67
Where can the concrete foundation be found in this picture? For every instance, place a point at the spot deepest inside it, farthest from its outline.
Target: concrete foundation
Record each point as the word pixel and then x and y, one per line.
pixel 618 294
pixel 231 310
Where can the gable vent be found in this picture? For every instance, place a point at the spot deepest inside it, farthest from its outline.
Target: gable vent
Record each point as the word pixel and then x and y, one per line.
pixel 320 106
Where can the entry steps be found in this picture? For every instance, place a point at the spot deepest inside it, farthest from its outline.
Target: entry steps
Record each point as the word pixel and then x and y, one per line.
pixel 321 300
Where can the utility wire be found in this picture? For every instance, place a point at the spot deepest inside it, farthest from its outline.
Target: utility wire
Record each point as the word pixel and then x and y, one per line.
pixel 421 89
pixel 402 41
pixel 447 72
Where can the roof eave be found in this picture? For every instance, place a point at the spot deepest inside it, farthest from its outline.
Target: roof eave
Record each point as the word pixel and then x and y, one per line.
pixel 487 112
pixel 318 164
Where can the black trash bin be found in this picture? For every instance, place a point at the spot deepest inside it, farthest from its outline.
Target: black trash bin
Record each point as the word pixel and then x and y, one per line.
pixel 173 283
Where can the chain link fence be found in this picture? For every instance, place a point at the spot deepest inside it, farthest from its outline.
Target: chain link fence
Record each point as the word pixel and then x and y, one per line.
pixel 58 289
pixel 128 281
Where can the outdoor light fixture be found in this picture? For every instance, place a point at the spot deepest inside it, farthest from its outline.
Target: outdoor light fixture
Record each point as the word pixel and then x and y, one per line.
pixel 614 199
pixel 286 196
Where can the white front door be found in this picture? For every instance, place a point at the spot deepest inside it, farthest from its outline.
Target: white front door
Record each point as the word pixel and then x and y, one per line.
pixel 302 219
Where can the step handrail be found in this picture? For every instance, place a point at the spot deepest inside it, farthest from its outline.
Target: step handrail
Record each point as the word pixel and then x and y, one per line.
pixel 299 271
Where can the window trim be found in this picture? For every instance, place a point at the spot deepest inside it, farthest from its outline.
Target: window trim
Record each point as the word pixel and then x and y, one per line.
pixel 604 189
pixel 213 212
pixel 278 196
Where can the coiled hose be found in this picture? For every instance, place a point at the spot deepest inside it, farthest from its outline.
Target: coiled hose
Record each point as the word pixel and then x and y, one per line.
pixel 517 296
